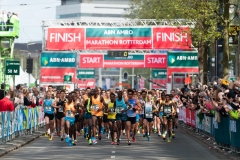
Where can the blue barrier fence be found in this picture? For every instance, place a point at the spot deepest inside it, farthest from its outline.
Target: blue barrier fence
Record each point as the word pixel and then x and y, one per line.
pixel 226 132
pixel 19 122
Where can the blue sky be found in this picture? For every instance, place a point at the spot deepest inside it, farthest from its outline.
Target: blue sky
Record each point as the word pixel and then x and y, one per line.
pixel 31 16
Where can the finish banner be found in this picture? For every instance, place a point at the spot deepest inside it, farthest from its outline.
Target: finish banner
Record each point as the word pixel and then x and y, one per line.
pixel 119 38
pixel 132 61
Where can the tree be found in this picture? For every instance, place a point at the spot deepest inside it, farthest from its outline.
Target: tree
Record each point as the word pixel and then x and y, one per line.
pixel 206 14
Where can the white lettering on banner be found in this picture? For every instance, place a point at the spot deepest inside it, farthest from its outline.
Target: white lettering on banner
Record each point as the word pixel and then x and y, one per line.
pixel 110 32
pixel 172 37
pixel 90 84
pixel 91 59
pixel 191 58
pixel 116 42
pixel 89 73
pixel 156 60
pixel 62 60
pixel 123 63
pixel 51 77
pixel 135 41
pixel 65 37
pixel 102 42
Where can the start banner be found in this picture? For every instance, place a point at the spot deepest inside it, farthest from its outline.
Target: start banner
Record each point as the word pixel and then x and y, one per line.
pixel 132 61
pixel 117 38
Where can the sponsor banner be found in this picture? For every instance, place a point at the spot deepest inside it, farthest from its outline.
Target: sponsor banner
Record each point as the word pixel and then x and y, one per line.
pixel 83 73
pixel 91 60
pixel 84 83
pixel 118 38
pixel 170 37
pixel 155 61
pixel 53 75
pixel 182 59
pixel 159 73
pixel 159 81
pixel 58 59
pixel 132 61
pixel 65 38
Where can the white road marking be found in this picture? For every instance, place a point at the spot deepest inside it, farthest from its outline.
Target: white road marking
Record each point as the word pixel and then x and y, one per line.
pixel 113 152
pixel 112 156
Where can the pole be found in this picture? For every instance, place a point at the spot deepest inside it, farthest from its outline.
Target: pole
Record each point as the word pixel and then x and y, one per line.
pixel 133 77
pixel 120 79
pixel 100 77
pixel 29 75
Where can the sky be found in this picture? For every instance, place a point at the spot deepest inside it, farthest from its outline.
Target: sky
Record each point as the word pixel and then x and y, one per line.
pixel 31 13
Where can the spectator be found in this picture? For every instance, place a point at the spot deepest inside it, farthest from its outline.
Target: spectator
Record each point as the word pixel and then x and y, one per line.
pixel 3 19
pixel 27 102
pixel 12 20
pixel 6 104
pixel 2 91
pixel 9 15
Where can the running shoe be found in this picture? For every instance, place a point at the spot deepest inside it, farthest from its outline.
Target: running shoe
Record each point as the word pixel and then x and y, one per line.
pixel 46 134
pixel 67 139
pixel 118 142
pixel 173 134
pixel 159 134
pixel 112 143
pixel 145 135
pixel 138 132
pixel 163 136
pixel 115 139
pixel 74 142
pixel 70 142
pixel 99 137
pixel 149 138
pixel 134 139
pixel 124 132
pixel 82 131
pixel 155 130
pixel 94 140
pixel 62 139
pixel 129 142
pixel 51 138
pixel 90 141
pixel 107 137
pixel 169 139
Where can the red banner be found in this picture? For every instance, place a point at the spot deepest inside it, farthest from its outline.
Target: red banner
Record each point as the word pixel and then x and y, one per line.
pixel 168 37
pixel 188 116
pixel 84 83
pixel 52 75
pixel 159 81
pixel 91 61
pixel 193 120
pixel 155 61
pixel 65 38
pixel 119 43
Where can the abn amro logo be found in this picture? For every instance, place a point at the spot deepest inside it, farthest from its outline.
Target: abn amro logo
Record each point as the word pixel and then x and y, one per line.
pixel 44 61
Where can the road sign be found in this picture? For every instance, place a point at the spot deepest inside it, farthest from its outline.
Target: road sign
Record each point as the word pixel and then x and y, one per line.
pixel 159 73
pixel 85 74
pixel 12 67
pixel 182 59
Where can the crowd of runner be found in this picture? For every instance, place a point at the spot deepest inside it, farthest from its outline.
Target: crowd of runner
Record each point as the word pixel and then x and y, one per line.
pixel 94 112
pixel 125 113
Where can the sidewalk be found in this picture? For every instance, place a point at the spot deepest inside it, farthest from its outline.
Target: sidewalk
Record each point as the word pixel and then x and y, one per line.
pixel 209 142
pixel 20 141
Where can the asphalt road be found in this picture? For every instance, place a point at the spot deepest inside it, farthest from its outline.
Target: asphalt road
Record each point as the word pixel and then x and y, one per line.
pixel 183 147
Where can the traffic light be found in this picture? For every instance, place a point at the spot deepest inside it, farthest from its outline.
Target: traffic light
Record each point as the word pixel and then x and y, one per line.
pixel 125 75
pixel 29 67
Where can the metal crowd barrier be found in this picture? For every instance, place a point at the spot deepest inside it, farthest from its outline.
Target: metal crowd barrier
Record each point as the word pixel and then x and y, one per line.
pixel 20 122
pixel 225 133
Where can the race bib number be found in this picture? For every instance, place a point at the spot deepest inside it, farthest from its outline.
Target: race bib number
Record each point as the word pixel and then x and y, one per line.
pixel 119 109
pixel 68 113
pixel 131 107
pixel 95 107
pixel 60 109
pixel 112 111
pixel 148 112
pixel 167 110
pixel 48 108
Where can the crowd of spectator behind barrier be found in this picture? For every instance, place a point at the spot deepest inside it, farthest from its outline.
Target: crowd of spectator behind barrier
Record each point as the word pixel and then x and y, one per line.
pixel 221 98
